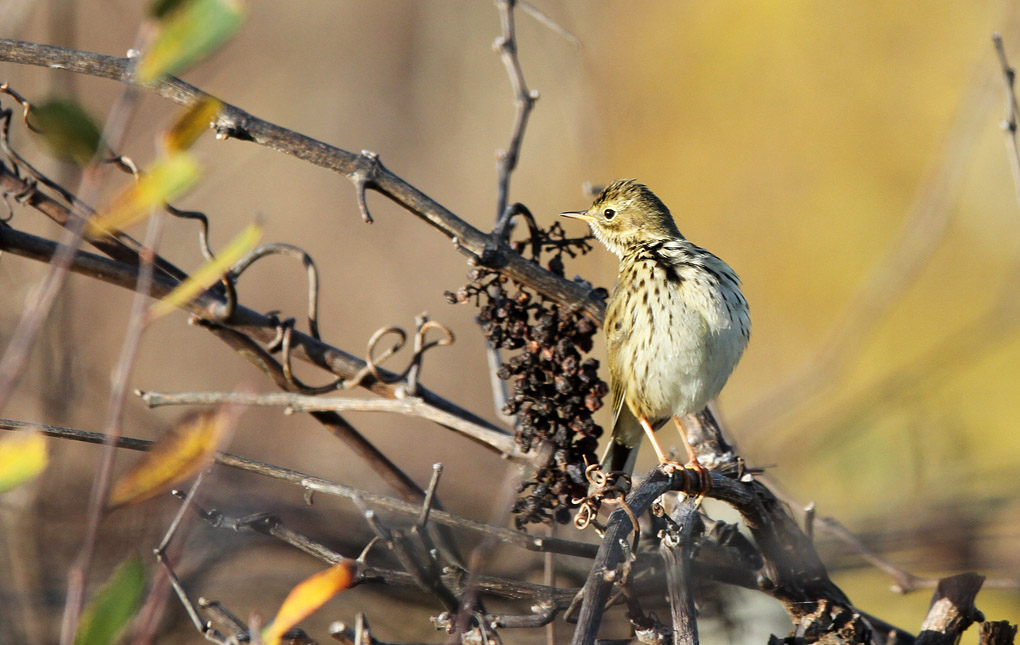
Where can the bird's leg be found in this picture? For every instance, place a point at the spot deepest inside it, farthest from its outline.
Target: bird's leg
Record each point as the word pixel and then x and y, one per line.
pixel 704 477
pixel 663 459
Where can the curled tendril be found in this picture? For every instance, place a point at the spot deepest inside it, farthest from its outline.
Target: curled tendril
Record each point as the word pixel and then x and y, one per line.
pixel 606 488
pixel 288 373
pixel 372 363
pixel 26 106
pixel 19 164
pixel 502 230
pixel 410 373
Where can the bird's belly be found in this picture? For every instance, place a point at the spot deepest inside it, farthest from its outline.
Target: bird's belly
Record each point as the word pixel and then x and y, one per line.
pixel 681 356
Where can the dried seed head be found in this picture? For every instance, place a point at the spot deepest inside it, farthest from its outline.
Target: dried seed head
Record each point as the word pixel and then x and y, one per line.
pixel 555 389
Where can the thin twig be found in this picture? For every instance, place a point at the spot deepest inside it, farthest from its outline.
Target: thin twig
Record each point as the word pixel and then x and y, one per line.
pixel 383 466
pixel 415 407
pixel 327 487
pixel 208 306
pixel 78 573
pixel 1009 126
pixel 268 524
pixel 543 18
pixel 524 100
pixel 430 495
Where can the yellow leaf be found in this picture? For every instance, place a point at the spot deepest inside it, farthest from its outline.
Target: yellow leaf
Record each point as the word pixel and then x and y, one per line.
pixel 22 456
pixel 190 125
pixel 168 177
pixel 191 31
pixel 208 273
pixel 182 451
pixel 307 597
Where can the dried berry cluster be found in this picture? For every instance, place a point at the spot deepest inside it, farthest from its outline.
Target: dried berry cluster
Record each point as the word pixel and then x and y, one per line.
pixel 555 389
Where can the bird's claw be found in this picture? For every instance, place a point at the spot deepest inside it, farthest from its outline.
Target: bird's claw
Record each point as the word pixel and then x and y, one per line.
pixel 704 477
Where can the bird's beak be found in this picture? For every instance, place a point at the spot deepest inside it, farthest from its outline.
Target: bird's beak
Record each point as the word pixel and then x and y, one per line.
pixel 581 215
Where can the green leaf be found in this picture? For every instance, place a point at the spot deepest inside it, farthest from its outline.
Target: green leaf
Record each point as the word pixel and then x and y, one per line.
pixel 190 32
pixel 69 131
pixel 114 605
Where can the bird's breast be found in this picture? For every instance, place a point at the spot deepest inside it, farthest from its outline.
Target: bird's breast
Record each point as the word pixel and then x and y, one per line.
pixel 674 335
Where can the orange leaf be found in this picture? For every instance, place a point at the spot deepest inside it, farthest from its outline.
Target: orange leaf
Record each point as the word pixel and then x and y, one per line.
pixel 182 451
pixel 307 597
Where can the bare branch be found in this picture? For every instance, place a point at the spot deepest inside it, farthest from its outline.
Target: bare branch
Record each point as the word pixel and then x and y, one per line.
pixel 415 407
pixel 234 122
pixel 524 99
pixel 677 548
pixel 327 487
pixel 952 610
pixel 792 572
pixel 210 306
pixel 99 494
pixel 1009 126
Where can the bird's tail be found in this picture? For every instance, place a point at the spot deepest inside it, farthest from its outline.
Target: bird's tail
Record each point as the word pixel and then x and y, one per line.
pixel 618 457
pixel 621 452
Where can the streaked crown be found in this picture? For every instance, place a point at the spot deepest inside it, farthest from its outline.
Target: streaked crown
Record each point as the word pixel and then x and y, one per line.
pixel 627 213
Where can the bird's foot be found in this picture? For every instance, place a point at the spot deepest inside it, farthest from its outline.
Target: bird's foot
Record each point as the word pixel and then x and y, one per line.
pixel 691 470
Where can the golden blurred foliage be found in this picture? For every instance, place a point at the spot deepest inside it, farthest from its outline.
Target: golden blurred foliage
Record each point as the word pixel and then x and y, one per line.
pixel 844 157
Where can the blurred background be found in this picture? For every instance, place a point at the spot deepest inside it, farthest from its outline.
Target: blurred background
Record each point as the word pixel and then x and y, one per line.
pixel 845 158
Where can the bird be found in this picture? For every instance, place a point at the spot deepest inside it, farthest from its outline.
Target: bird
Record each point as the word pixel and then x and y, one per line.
pixel 676 323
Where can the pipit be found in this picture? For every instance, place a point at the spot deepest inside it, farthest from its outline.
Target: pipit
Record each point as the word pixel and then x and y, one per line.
pixel 676 322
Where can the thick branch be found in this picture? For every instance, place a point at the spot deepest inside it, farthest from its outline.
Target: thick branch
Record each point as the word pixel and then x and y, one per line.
pixel 792 571
pixel 952 610
pixel 677 549
pixel 363 169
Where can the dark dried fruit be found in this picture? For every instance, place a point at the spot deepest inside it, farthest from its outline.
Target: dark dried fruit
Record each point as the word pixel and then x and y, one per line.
pixel 555 389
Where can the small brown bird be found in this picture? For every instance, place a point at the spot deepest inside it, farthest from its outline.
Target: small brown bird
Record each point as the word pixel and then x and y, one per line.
pixel 676 322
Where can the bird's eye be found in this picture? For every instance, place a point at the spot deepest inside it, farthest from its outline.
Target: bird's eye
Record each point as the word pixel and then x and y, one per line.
pixel 609 213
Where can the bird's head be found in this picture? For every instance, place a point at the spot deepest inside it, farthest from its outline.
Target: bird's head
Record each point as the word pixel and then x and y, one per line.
pixel 626 213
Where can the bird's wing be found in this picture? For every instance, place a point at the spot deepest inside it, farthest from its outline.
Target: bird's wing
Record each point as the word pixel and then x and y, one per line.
pixel 621 449
pixel 617 386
